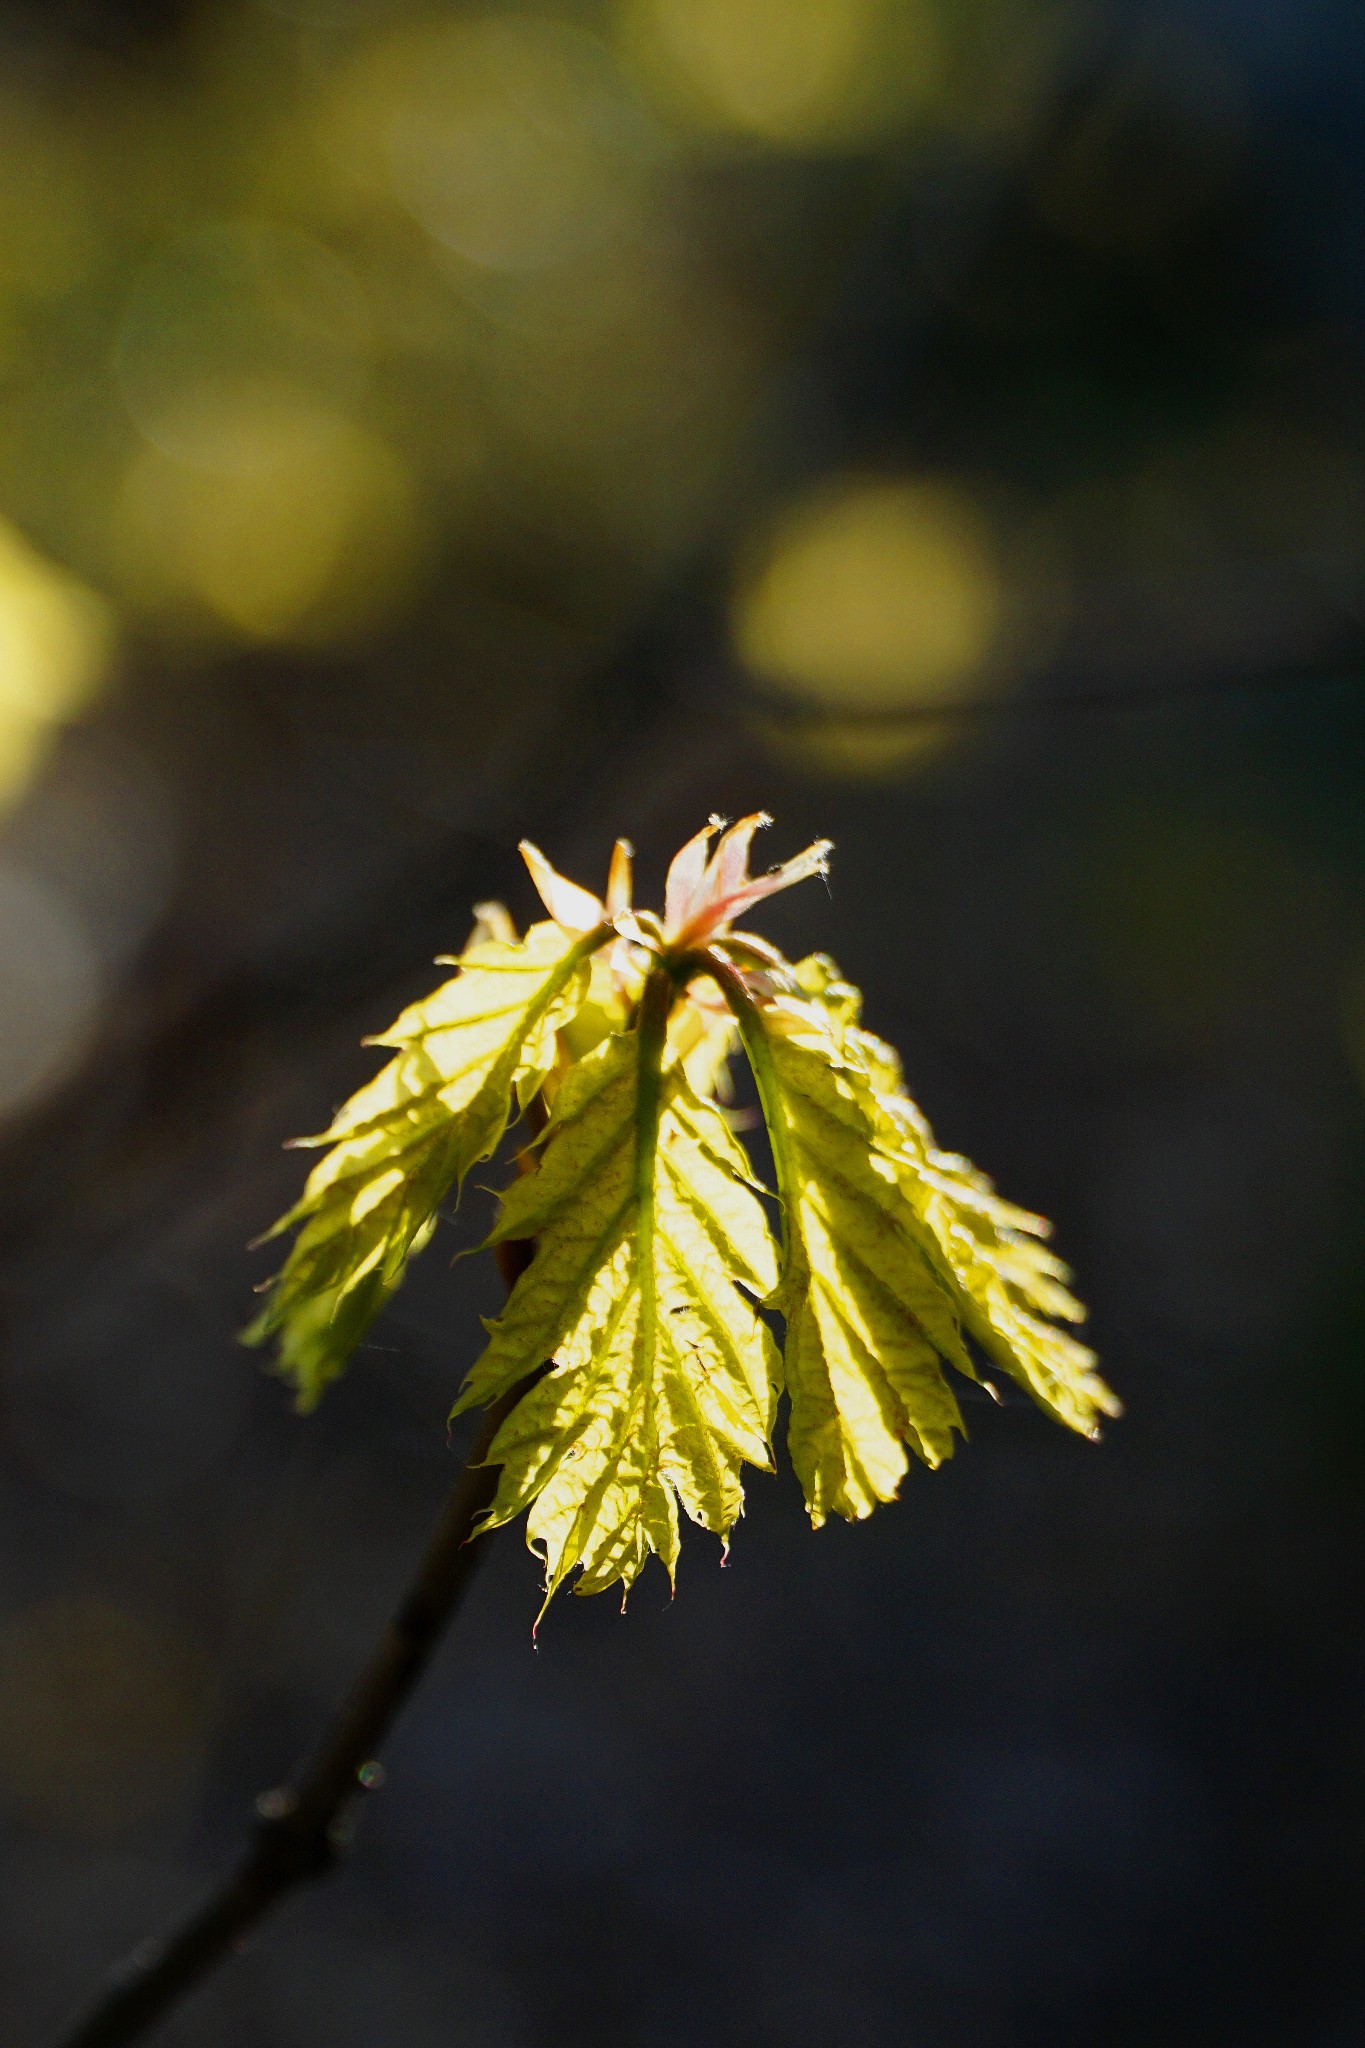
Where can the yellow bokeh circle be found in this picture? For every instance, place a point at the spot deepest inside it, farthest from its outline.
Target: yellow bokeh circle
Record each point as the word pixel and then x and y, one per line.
pixel 874 596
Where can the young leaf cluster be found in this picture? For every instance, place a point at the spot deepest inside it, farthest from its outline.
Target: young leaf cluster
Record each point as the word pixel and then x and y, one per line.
pixel 643 1323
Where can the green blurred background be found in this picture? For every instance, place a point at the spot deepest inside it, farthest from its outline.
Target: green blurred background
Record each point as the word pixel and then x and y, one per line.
pixel 941 423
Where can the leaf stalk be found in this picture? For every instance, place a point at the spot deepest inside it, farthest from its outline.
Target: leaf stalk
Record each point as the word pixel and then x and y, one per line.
pixel 652 1028
pixel 758 1052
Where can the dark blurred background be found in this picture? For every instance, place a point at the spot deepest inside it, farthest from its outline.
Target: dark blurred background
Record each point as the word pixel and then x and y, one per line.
pixel 941 422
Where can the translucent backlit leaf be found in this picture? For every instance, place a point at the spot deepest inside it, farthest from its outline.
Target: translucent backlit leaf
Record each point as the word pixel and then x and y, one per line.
pixel 870 1321
pixel 1010 1290
pixel 411 1134
pixel 896 1253
pixel 663 1376
pixel 634 1343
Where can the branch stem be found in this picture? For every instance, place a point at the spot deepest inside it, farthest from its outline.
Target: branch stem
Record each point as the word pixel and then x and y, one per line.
pixel 304 1826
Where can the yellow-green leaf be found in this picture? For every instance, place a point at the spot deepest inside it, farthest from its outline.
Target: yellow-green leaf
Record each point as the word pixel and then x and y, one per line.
pixel 411 1134
pixel 645 1377
pixel 895 1250
pixel 869 1317
pixel 662 1381
pixel 1010 1290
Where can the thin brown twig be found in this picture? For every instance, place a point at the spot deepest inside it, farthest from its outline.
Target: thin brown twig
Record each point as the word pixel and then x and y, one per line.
pixel 303 1826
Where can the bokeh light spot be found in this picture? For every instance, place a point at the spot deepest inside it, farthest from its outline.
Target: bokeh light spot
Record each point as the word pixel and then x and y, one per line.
pixel 311 544
pixel 56 637
pixel 787 72
pixel 227 330
pixel 515 144
pixel 873 596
